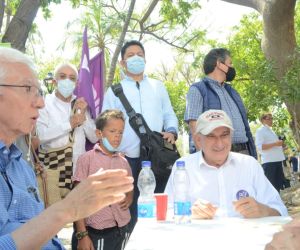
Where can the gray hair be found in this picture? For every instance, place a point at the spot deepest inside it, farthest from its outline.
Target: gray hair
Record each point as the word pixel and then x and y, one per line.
pixel 63 65
pixel 9 55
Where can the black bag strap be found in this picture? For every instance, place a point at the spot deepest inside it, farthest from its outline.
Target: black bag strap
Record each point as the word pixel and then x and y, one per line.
pixel 140 126
pixel 118 91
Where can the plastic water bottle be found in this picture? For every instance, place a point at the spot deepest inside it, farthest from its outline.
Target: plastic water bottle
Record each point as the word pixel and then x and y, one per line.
pixel 182 203
pixel 146 184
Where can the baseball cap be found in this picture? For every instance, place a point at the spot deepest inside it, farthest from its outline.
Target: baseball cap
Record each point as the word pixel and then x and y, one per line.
pixel 212 119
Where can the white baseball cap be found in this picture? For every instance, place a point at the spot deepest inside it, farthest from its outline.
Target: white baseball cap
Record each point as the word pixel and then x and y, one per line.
pixel 212 119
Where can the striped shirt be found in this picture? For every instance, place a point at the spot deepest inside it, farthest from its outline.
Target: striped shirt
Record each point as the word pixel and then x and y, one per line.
pixel 194 107
pixel 88 164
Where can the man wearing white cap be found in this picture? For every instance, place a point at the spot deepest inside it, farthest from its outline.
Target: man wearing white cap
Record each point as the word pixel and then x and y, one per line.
pixel 224 183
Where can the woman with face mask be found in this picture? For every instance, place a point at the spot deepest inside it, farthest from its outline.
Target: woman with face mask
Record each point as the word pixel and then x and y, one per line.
pixel 64 115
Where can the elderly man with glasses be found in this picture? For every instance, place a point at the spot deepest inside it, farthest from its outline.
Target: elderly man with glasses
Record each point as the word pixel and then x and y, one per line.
pixel 270 148
pixel 23 223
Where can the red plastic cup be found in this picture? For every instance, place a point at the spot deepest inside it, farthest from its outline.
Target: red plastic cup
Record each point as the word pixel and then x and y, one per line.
pixel 161 206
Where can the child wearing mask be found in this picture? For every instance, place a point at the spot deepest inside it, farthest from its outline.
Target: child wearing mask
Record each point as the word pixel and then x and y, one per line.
pixel 106 229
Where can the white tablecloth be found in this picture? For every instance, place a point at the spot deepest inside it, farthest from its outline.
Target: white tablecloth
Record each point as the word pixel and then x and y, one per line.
pixel 222 233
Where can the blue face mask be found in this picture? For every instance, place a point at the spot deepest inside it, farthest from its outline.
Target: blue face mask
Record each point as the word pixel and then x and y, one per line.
pixel 65 87
pixel 135 65
pixel 108 146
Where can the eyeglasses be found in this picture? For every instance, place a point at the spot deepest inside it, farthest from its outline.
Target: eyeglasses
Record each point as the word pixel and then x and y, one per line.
pixel 268 118
pixel 31 90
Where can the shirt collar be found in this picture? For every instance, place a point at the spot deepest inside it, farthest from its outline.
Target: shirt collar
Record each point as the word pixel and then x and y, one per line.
pixel 214 82
pixel 203 163
pixel 11 153
pixel 130 79
pixel 54 95
pixel 100 150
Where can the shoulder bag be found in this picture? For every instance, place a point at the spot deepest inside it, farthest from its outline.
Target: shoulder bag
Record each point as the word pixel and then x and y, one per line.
pixel 153 146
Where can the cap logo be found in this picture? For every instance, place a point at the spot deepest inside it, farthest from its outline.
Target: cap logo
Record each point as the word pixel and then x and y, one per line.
pixel 215 116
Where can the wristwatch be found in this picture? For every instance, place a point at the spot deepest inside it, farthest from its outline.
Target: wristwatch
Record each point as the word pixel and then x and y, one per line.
pixel 80 235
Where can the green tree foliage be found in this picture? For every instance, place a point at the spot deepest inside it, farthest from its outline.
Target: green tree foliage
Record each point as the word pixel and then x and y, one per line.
pixel 177 93
pixel 255 79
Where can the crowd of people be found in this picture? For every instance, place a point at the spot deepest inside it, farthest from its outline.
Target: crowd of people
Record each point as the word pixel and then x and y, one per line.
pixel 101 199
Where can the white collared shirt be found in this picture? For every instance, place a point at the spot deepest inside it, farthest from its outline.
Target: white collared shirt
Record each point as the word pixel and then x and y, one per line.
pixel 219 186
pixel 265 135
pixel 151 100
pixel 53 127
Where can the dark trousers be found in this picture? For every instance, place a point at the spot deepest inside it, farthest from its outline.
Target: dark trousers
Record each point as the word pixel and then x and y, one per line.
pixel 114 238
pixel 135 164
pixel 274 173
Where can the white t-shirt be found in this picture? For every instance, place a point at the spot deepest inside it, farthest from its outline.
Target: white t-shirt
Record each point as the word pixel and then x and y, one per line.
pixel 265 135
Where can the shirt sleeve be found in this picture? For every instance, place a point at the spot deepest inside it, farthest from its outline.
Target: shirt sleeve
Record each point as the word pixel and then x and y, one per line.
pixel 7 242
pixel 49 131
pixel 109 100
pixel 169 116
pixel 127 167
pixel 89 128
pixel 82 168
pixel 259 139
pixel 194 104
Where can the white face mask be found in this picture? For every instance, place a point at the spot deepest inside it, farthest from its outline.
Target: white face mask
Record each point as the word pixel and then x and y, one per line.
pixel 65 87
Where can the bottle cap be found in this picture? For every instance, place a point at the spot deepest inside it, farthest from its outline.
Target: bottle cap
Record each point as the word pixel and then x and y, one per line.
pixel 146 164
pixel 180 164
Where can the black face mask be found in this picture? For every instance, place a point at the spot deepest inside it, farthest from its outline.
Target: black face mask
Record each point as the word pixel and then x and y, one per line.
pixel 230 75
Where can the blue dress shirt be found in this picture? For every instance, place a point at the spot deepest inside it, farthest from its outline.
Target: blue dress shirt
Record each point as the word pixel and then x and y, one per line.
pixel 150 98
pixel 19 198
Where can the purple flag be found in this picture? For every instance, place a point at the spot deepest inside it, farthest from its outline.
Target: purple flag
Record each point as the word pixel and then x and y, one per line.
pixel 96 66
pixel 91 78
pixel 84 88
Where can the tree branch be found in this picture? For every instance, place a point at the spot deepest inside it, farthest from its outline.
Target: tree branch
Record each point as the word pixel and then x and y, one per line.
pixel 161 39
pixel 120 43
pixel 255 4
pixel 149 11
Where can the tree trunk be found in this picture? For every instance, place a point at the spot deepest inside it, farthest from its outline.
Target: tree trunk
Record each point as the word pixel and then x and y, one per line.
pixel 8 17
pixel 114 59
pixel 20 25
pixel 2 6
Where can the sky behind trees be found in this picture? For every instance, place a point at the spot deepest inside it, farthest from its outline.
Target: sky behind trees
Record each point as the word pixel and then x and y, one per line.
pixel 216 16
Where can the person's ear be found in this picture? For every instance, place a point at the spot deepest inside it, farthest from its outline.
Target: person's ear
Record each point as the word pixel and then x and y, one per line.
pixel 219 63
pixel 98 134
pixel 123 63
pixel 54 82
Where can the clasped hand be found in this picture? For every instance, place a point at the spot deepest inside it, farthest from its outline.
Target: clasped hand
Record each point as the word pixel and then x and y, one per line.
pixel 248 207
pixel 79 117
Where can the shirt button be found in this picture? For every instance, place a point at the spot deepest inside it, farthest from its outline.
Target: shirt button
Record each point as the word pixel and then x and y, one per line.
pixel 15 202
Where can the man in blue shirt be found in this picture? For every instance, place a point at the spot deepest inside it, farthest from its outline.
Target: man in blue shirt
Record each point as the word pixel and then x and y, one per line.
pixel 23 223
pixel 148 97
